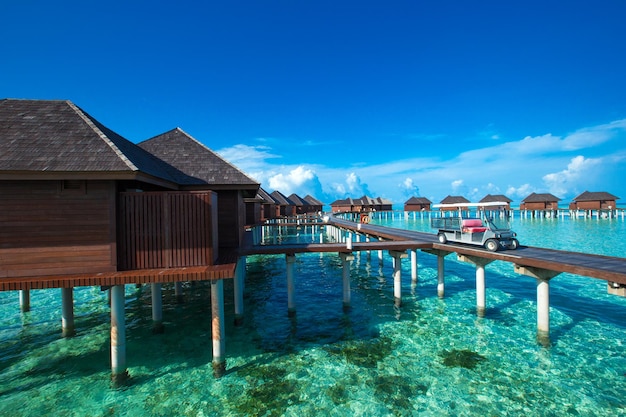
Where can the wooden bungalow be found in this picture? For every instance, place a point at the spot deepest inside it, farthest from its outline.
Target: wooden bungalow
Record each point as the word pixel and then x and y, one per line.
pixel 314 204
pixel 203 169
pixel 540 202
pixel 417 204
pixel 82 206
pixel 284 206
pixel 260 208
pixel 363 204
pixel 497 198
pixel 594 201
pixel 454 199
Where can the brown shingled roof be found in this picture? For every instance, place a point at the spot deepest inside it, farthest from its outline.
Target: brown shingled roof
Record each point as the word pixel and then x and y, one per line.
pixel 596 196
pixel 540 198
pixel 55 136
pixel 201 165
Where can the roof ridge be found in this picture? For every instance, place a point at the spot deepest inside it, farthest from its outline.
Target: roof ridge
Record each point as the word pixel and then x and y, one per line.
pixel 101 134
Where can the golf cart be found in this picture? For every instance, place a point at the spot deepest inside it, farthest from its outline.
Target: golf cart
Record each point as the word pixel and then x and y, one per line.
pixel 474 231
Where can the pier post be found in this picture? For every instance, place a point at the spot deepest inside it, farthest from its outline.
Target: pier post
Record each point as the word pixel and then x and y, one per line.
pixel 217 327
pixel 157 308
pixel 440 269
pixel 397 275
pixel 24 301
pixel 413 266
pixel 291 299
pixel 543 277
pixel 178 292
pixel 240 273
pixel 67 311
pixel 440 276
pixel 480 264
pixel 119 374
pixel 345 261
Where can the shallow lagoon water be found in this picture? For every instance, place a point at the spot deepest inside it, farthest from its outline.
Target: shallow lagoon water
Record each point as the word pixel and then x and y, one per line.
pixel 429 357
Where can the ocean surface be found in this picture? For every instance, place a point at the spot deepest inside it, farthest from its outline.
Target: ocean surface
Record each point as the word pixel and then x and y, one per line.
pixel 429 357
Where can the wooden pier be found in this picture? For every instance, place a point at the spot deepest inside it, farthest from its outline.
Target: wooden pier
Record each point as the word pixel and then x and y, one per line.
pixel 539 263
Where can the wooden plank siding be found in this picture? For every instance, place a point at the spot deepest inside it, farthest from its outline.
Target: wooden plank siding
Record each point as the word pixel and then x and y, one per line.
pixel 166 230
pixel 47 228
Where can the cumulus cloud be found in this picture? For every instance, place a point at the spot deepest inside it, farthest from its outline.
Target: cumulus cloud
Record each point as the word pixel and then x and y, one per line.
pixel 577 173
pixel 409 188
pixel 294 181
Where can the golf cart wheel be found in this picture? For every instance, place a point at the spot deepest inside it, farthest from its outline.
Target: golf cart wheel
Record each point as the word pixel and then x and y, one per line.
pixel 514 244
pixel 491 245
pixel 442 238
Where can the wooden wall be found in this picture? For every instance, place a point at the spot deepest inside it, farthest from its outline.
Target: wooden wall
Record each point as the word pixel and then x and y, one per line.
pixel 232 218
pixel 166 230
pixel 57 227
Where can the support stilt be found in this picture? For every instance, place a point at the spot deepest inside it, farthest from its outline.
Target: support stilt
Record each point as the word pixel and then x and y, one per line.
pixel 291 299
pixel 345 260
pixel 24 301
pixel 178 292
pixel 240 274
pixel 119 374
pixel 481 294
pixel 397 276
pixel 157 308
pixel 67 312
pixel 414 266
pixel 543 277
pixel 217 327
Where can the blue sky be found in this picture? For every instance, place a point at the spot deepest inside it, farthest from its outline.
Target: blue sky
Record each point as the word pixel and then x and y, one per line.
pixel 344 98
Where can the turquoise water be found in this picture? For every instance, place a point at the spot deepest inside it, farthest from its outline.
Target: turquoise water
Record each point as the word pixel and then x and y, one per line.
pixel 430 357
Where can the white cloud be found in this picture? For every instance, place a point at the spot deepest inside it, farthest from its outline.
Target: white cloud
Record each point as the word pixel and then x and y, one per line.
pixel 292 181
pixel 577 174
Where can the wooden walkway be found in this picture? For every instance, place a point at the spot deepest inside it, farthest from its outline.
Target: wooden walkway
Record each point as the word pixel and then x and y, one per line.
pixel 607 268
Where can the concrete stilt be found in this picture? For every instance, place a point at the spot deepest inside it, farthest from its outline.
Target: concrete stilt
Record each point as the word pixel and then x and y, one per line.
pixel 397 276
pixel 543 277
pixel 240 273
pixel 291 299
pixel 380 257
pixel 440 276
pixel 178 292
pixel 414 266
pixel 24 301
pixel 119 374
pixel 67 312
pixel 157 308
pixel 481 295
pixel 217 328
pixel 345 260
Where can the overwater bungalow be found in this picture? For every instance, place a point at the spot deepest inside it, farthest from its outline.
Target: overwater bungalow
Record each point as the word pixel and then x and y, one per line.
pixel 594 201
pixel 540 202
pixel 417 204
pixel 450 202
pixel 363 204
pixel 284 206
pixel 82 206
pixel 497 198
pixel 260 208
pixel 314 204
